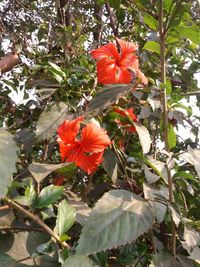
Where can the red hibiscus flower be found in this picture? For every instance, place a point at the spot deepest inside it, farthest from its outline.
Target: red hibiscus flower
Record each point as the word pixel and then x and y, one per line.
pixel 128 113
pixel 116 67
pixel 86 151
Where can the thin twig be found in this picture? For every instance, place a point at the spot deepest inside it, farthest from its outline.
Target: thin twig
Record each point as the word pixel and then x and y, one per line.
pixel 36 219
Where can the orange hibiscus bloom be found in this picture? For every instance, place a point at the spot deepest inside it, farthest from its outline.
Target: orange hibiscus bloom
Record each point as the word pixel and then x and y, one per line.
pixel 128 113
pixel 117 67
pixel 86 151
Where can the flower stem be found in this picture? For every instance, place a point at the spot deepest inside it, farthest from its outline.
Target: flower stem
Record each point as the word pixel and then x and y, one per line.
pixel 162 35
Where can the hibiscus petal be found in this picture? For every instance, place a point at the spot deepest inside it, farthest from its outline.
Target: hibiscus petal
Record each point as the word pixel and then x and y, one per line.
pixel 94 139
pixel 89 163
pixel 122 75
pixel 106 71
pixel 126 47
pixel 108 50
pixel 68 130
pixel 68 152
pixel 142 77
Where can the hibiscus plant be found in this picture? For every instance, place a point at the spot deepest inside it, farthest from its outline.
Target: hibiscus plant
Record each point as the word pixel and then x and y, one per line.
pixel 99 134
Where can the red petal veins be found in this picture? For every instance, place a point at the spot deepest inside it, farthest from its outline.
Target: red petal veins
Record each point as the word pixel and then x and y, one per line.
pixel 89 163
pixel 68 130
pixel 68 152
pixel 108 50
pixel 126 47
pixel 94 139
pixel 106 71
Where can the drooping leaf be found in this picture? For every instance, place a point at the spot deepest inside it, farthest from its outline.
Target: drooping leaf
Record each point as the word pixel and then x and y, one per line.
pixel 151 192
pixel 66 217
pixel 49 195
pixel 144 136
pixel 175 214
pixel 42 170
pixel 195 254
pixel 49 120
pixel 158 166
pixel 8 158
pixel 118 218
pixel 110 164
pixel 193 157
pixel 77 261
pixel 105 98
pixel 192 237
pixel 152 46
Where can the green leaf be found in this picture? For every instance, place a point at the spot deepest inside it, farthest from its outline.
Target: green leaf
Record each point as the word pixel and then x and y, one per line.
pixel 180 105
pixel 8 158
pixel 49 120
pixel 115 3
pixel 171 136
pixel 49 195
pixel 152 46
pixel 191 33
pixel 66 217
pixel 118 218
pixel 57 72
pixel 168 87
pixel 77 261
pixel 110 164
pixel 42 170
pixel 5 260
pixel 144 136
pixel 158 166
pixel 167 4
pixel 106 98
pixel 151 21
pixel 163 259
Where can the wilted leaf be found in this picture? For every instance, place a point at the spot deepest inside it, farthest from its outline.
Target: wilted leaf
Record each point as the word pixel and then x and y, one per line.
pixel 41 170
pixel 49 195
pixel 106 98
pixel 78 261
pixel 49 120
pixel 152 46
pixel 8 158
pixel 66 217
pixel 191 237
pixel 175 214
pixel 144 136
pixel 193 157
pixel 118 218
pixel 151 192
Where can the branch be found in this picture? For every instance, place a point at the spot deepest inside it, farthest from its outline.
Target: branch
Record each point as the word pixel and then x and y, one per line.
pixel 165 117
pixel 143 9
pixel 113 23
pixel 36 219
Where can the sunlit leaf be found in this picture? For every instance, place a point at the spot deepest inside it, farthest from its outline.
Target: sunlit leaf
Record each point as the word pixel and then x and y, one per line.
pixel 152 46
pixel 119 217
pixel 8 158
pixel 49 121
pixel 77 261
pixel 49 195
pixel 144 136
pixel 66 217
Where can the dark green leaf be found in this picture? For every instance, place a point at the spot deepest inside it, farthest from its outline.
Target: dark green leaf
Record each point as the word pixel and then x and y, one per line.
pixel 49 195
pixel 152 46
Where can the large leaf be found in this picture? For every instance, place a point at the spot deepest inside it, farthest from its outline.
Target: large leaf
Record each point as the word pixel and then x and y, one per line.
pixel 193 157
pixel 192 237
pixel 163 259
pixel 49 195
pixel 144 136
pixel 105 98
pixel 150 21
pixel 49 120
pixel 8 158
pixel 66 217
pixel 78 261
pixel 191 33
pixel 118 218
pixel 41 170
